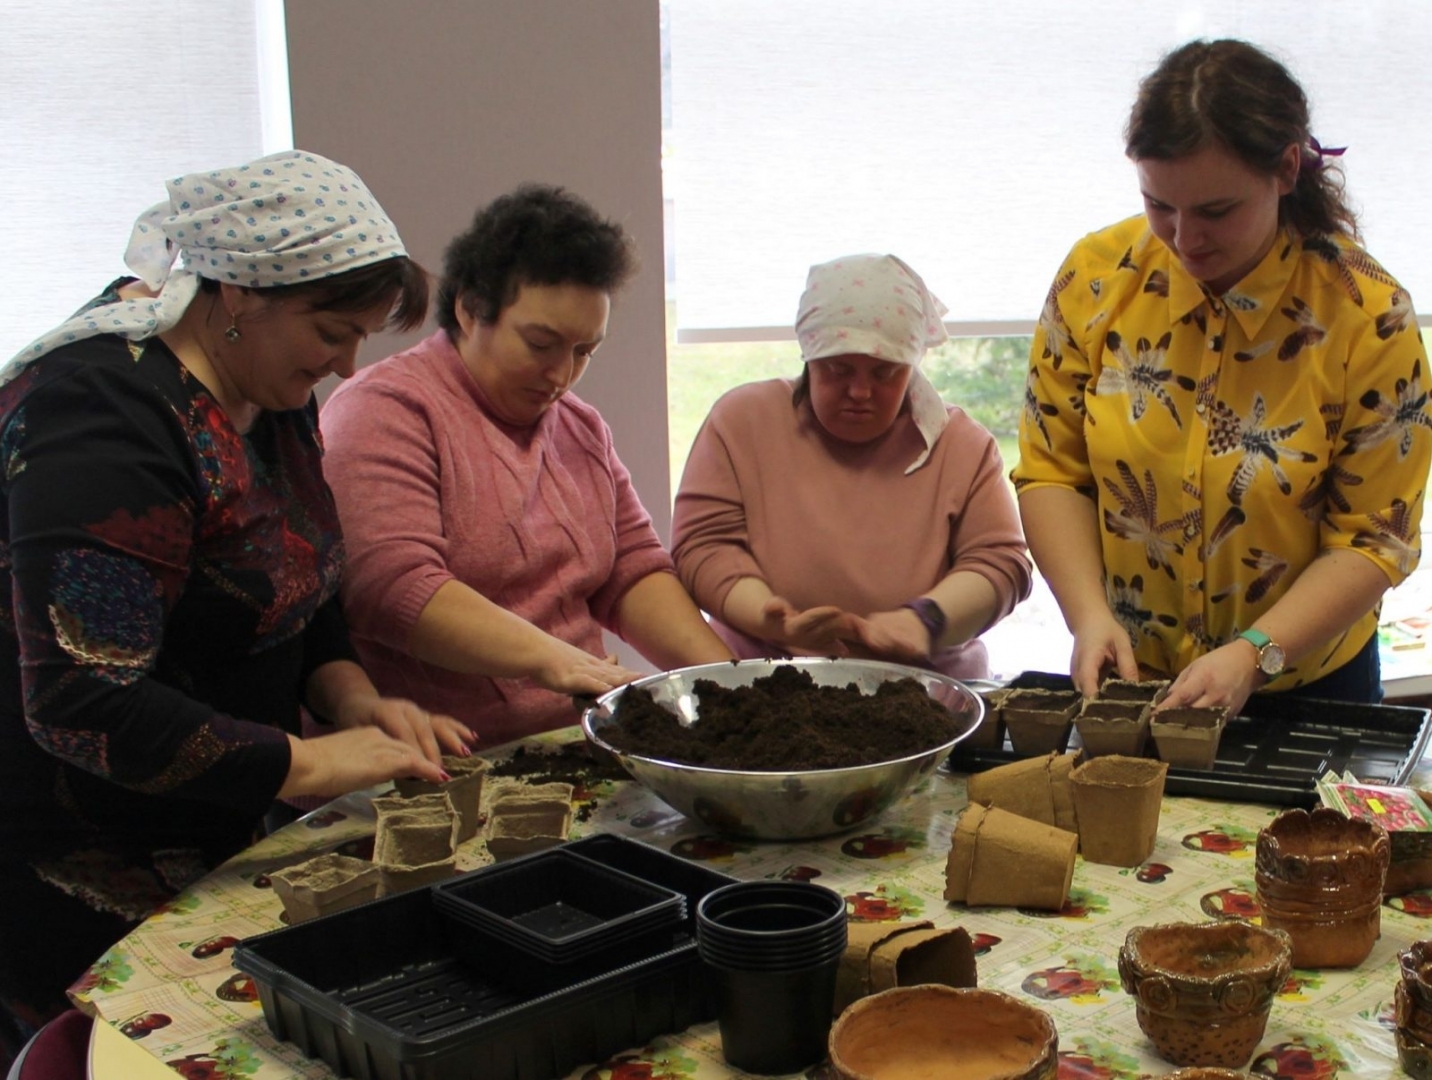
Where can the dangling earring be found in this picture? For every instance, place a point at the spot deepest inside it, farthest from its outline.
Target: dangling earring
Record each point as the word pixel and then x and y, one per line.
pixel 232 334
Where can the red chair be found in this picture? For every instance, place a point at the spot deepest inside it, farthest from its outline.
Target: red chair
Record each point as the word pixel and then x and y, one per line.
pixel 58 1051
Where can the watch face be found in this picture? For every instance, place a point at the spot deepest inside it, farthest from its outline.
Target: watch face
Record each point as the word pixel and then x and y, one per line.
pixel 1271 660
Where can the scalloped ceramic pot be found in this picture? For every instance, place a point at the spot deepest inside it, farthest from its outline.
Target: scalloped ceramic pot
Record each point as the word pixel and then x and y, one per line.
pixel 1319 877
pixel 1203 991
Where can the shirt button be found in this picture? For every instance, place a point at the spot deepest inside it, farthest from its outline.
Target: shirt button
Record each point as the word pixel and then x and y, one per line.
pixel 1200 408
pixel 1190 531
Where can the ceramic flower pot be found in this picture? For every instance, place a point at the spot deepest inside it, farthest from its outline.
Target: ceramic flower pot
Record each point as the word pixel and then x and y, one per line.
pixel 1416 964
pixel 1319 877
pixel 1412 997
pixel 1414 1055
pixel 1413 1019
pixel 1203 991
pixel 914 1031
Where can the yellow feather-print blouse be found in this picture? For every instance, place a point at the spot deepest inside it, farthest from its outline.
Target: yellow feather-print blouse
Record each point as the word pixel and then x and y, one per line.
pixel 1227 440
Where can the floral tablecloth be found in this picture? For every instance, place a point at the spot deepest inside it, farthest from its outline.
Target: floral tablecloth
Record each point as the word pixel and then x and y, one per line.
pixel 170 984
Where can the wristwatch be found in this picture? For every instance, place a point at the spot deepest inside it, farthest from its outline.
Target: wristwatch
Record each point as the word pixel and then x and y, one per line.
pixel 930 614
pixel 1271 658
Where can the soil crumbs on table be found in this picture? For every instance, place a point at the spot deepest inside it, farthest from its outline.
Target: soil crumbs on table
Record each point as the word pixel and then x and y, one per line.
pixel 577 763
pixel 783 722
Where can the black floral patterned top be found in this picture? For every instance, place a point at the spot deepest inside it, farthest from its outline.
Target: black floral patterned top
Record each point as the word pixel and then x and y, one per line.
pixel 171 585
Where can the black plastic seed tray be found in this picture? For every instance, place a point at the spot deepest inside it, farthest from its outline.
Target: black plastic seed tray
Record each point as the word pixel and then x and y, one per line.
pixel 1274 752
pixel 377 992
pixel 559 906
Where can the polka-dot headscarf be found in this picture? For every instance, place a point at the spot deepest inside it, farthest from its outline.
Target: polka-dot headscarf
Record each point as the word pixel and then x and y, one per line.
pixel 280 220
pixel 875 305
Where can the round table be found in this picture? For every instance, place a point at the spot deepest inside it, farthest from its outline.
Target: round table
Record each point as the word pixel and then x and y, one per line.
pixel 170 986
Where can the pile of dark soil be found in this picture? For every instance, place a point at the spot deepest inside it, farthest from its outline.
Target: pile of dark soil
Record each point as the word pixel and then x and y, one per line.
pixel 783 722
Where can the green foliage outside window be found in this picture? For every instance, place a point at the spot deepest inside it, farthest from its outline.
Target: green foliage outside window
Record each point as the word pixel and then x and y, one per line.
pixel 985 377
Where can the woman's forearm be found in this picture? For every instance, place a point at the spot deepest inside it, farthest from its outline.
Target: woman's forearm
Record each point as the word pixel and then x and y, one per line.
pixel 333 684
pixel 970 603
pixel 1337 588
pixel 461 630
pixel 744 607
pixel 1061 527
pixel 659 619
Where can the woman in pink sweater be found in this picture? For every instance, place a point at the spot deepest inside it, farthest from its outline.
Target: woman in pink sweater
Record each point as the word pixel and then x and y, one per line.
pixel 852 511
pixel 492 531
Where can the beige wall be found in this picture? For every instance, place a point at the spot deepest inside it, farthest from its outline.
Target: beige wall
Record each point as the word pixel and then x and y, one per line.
pixel 441 105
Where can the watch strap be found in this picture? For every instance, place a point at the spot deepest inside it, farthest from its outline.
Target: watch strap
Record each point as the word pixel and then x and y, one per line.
pixel 1256 637
pixel 931 616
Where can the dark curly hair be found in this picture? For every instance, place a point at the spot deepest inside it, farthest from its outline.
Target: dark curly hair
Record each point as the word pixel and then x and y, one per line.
pixel 399 282
pixel 535 235
pixel 1233 93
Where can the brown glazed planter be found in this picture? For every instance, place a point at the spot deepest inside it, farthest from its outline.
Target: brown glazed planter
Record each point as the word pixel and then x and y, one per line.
pixel 1203 991
pixel 1412 999
pixel 1416 964
pixel 1319 877
pixel 920 1031
pixel 1414 1055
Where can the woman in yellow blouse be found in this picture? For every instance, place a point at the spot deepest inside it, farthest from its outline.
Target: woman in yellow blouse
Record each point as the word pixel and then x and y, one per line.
pixel 1226 441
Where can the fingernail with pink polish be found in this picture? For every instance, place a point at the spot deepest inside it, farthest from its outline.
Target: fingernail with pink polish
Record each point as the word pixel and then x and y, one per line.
pixel 444 775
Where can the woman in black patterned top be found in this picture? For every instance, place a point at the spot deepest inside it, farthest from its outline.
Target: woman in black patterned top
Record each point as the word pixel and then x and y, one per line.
pixel 173 559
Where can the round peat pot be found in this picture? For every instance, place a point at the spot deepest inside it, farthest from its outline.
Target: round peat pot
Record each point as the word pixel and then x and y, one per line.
pixel 774 948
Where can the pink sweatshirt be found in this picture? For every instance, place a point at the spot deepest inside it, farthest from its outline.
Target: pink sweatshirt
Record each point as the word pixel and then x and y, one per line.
pixel 431 487
pixel 768 494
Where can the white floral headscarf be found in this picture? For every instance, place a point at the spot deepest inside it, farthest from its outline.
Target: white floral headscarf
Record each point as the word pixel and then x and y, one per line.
pixel 280 220
pixel 875 305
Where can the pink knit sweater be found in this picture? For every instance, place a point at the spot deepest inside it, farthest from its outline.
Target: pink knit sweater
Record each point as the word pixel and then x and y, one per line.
pixel 768 494
pixel 432 487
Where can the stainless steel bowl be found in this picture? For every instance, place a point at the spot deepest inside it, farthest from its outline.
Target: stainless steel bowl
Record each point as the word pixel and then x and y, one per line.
pixel 784 805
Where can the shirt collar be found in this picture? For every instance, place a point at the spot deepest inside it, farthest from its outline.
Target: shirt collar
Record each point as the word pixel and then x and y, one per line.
pixel 1252 300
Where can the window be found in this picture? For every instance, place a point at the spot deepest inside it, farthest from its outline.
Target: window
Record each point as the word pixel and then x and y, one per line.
pixel 101 107
pixel 978 142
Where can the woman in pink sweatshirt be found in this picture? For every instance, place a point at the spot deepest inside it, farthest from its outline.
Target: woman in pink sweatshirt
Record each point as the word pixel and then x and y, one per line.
pixel 852 511
pixel 492 531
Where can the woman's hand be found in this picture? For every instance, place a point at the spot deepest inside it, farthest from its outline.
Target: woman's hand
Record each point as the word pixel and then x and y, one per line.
pixel 1224 677
pixel 817 631
pixel 899 636
pixel 568 670
pixel 351 760
pixel 1101 646
pixel 430 734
